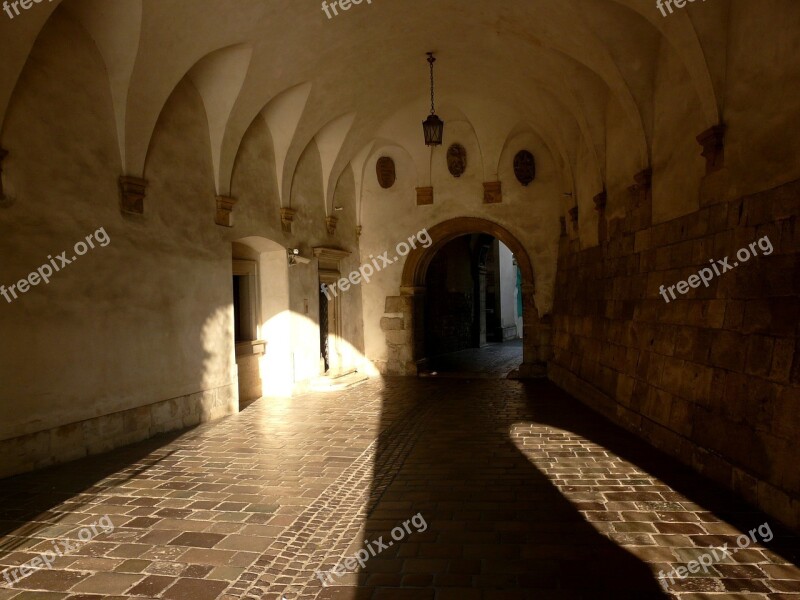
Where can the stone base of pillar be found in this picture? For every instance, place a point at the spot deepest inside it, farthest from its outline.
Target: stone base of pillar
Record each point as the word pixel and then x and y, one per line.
pixel 536 370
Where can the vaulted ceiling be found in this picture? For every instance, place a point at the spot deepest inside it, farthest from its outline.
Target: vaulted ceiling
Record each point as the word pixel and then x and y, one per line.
pixel 554 65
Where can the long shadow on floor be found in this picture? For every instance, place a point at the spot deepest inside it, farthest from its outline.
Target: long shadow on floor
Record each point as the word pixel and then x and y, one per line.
pixel 495 525
pixel 28 501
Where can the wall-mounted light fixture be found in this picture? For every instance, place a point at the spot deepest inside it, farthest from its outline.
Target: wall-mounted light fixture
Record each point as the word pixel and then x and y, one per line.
pixel 293 255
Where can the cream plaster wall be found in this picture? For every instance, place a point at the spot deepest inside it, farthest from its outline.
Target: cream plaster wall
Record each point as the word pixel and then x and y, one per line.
pixel 293 352
pixel 621 163
pixel 677 163
pixel 762 96
pixel 148 317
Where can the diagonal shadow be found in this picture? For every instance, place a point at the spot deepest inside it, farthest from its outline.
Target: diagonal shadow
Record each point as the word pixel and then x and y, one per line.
pixel 714 499
pixel 34 502
pixel 497 527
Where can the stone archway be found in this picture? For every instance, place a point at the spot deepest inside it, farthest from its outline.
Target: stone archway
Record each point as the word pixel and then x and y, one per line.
pixel 407 345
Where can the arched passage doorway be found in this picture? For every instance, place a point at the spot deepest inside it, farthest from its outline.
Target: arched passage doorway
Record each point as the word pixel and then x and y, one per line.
pixel 408 352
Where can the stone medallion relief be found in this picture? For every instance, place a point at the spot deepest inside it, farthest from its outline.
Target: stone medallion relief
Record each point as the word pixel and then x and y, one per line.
pixel 456 160
pixel 524 167
pixel 386 172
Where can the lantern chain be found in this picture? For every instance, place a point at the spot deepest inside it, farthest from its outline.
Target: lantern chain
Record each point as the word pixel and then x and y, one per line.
pixel 431 60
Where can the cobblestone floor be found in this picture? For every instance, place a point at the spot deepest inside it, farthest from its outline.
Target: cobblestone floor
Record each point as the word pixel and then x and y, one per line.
pixel 522 491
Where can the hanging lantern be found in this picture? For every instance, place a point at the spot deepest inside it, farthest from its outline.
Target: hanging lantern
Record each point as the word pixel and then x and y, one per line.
pixel 433 126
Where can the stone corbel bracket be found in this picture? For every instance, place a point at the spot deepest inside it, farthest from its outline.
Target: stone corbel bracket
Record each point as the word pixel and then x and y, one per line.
pixel 132 192
pixel 600 201
pixel 287 216
pixel 640 210
pixel 713 142
pixel 224 214
pixel 330 224
pixel 642 187
pixel 573 216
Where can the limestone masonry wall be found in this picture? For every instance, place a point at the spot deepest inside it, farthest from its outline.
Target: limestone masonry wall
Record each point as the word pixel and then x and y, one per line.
pixel 712 377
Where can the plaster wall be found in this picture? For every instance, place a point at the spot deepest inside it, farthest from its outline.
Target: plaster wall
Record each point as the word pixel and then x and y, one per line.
pixel 761 146
pixel 276 364
pixel 291 315
pixel 146 319
pixel 621 163
pixel 677 163
pixel 136 338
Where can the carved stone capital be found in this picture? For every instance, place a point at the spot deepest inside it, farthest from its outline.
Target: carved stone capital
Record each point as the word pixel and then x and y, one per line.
pixel 224 215
pixel 640 190
pixel 330 224
pixel 424 196
pixel 492 192
pixel 132 192
pixel 287 216
pixel 639 211
pixel 713 142
pixel 600 201
pixel 573 216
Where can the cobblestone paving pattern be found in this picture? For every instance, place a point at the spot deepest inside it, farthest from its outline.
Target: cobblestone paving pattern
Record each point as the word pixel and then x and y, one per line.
pixel 526 494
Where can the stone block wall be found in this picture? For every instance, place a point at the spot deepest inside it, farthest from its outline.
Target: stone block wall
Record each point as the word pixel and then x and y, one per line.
pixel 104 433
pixel 712 377
pixel 398 324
